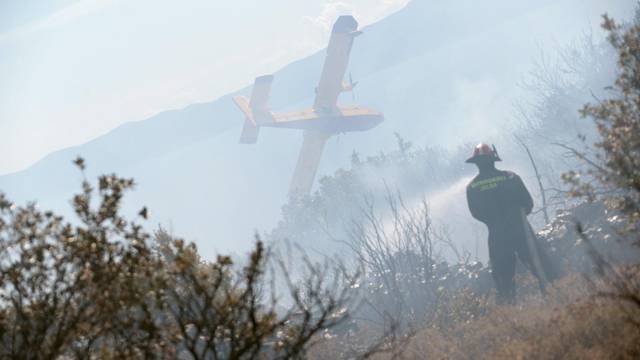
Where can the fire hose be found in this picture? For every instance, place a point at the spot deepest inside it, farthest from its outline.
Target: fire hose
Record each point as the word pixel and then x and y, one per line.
pixel 533 252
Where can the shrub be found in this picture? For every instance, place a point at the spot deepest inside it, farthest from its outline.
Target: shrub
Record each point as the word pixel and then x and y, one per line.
pixel 613 176
pixel 103 288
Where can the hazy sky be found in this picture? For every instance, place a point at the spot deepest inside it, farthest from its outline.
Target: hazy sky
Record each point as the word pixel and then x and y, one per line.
pixel 71 70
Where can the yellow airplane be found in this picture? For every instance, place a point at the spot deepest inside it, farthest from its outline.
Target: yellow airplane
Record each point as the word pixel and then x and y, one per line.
pixel 322 121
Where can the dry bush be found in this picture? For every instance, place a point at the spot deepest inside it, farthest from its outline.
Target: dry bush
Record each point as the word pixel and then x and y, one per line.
pixel 393 256
pixel 407 284
pixel 101 288
pixel 400 260
pixel 76 290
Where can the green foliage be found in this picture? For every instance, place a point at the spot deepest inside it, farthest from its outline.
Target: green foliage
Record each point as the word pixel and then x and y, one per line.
pixel 613 176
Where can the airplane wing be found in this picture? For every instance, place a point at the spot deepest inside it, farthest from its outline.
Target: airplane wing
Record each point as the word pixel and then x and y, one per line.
pixel 335 64
pixel 292 116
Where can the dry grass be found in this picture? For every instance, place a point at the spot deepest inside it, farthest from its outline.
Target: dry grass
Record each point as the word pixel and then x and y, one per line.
pixel 567 323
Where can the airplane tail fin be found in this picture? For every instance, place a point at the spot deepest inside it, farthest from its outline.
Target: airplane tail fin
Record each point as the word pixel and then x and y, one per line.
pixel 260 93
pixel 255 109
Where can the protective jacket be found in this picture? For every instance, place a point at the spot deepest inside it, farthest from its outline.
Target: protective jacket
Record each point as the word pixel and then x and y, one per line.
pixel 498 198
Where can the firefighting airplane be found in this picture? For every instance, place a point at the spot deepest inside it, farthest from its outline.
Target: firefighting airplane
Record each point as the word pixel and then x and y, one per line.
pixel 322 121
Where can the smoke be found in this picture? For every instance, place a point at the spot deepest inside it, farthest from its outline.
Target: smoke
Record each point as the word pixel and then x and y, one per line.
pixel 479 108
pixel 330 12
pixel 366 11
pixel 447 206
pixel 449 209
pixel 54 20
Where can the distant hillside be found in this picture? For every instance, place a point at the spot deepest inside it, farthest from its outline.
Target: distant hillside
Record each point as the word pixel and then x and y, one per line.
pixel 442 72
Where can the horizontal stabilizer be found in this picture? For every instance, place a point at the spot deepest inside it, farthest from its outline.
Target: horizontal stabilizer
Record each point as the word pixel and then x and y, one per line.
pixel 250 129
pixel 243 104
pixel 249 133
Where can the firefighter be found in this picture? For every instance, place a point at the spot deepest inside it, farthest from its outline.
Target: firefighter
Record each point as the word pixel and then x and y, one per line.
pixel 500 200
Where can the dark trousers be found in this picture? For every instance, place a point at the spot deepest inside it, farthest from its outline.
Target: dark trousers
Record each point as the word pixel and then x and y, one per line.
pixel 503 249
